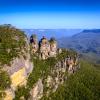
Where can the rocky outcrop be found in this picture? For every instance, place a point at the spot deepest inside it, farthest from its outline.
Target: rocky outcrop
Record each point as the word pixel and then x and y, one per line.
pixel 37 91
pixel 34 43
pixel 9 94
pixel 53 47
pixel 45 48
pixel 59 73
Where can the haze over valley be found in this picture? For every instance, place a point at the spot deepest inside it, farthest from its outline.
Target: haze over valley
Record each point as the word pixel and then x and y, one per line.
pixel 84 41
pixel 57 33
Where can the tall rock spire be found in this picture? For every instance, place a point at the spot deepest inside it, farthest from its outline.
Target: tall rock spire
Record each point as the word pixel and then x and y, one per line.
pixel 47 48
pixel 53 47
pixel 44 48
pixel 34 43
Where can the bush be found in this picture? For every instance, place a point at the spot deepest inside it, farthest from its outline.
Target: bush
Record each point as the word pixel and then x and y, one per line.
pixel 4 80
pixel 21 92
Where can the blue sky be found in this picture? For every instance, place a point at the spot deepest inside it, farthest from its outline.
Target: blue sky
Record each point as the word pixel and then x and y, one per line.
pixel 50 13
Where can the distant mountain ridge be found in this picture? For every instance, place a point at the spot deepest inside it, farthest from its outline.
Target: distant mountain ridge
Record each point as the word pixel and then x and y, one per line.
pixel 86 42
pixel 57 33
pixel 92 30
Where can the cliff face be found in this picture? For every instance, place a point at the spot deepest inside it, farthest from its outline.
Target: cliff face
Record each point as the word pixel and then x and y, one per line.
pixel 57 76
pixel 14 57
pixel 37 91
pixel 56 69
pixel 49 73
pixel 19 70
pixel 20 67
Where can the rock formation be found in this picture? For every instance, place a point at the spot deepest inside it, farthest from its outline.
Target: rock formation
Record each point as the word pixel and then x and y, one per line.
pixel 59 73
pixel 46 48
pixel 53 47
pixel 34 43
pixel 37 91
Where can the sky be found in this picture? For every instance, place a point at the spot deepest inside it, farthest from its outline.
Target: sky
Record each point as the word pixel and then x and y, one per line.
pixel 51 14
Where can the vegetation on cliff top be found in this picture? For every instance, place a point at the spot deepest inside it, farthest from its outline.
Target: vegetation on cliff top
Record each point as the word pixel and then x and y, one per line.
pixel 4 82
pixel 11 42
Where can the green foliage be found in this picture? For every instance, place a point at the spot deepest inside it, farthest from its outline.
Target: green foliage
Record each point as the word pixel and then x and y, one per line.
pixel 2 94
pixel 21 92
pixel 83 85
pixel 4 83
pixel 4 80
pixel 42 68
pixel 11 42
pixel 65 53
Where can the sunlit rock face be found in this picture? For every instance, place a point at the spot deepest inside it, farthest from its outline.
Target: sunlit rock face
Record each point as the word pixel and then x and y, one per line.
pixel 37 91
pixel 53 47
pixel 9 95
pixel 44 48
